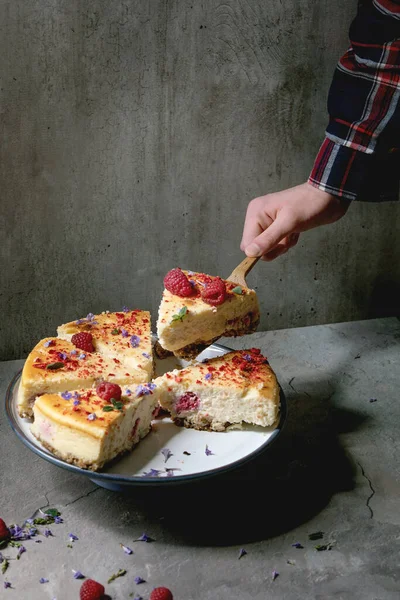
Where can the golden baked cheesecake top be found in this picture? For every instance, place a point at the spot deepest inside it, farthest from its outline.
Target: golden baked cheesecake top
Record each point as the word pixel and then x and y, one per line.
pixel 123 336
pixel 92 411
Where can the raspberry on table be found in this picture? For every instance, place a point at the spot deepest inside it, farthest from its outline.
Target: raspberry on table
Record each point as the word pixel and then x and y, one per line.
pixel 177 283
pixel 161 593
pixel 214 293
pixel 108 391
pixel 83 341
pixel 4 531
pixel 91 590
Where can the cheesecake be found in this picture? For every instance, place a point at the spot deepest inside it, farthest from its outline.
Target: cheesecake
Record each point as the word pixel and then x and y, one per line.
pixel 197 309
pixel 84 429
pixel 117 348
pixel 228 391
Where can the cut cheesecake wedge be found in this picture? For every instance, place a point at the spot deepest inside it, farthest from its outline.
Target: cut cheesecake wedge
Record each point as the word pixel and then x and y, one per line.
pixel 237 388
pixel 188 324
pixel 122 354
pixel 81 428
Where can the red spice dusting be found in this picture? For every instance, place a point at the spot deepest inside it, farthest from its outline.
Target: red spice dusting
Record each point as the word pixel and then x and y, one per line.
pixel 178 379
pixel 117 362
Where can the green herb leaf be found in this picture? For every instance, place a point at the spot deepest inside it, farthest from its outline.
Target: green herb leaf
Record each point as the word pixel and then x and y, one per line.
pixel 52 512
pixel 115 331
pixel 322 547
pixel 55 366
pixel 237 290
pixel 120 573
pixel 14 544
pixel 3 544
pixel 179 317
pixel 108 408
pixel 69 546
pixel 318 535
pixel 4 566
pixel 117 404
pixel 41 521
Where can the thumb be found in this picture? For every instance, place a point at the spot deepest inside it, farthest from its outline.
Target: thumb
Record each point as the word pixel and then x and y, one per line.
pixel 268 239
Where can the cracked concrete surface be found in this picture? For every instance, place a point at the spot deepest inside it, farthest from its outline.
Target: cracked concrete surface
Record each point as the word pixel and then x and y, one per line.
pixel 334 469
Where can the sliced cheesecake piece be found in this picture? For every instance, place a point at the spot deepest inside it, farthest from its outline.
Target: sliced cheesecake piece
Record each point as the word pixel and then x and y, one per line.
pixel 83 429
pixel 239 387
pixel 195 313
pixel 124 336
pixel 56 365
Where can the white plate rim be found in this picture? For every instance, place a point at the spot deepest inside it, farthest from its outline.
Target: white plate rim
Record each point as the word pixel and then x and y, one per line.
pixel 112 480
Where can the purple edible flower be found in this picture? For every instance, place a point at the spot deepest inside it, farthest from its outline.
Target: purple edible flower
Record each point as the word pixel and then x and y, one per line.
pixel 139 580
pixel 124 332
pixel 166 452
pixel 126 549
pixel 47 533
pixel 90 317
pixel 247 357
pixel 242 552
pixel 59 520
pixel 32 531
pixel 76 396
pixel 78 574
pixel 135 341
pixel 146 355
pixel 138 598
pixel 208 451
pixel 208 376
pixel 66 395
pixel 63 355
pixel 29 521
pixel 275 574
pixel 297 545
pixel 73 352
pixel 82 355
pixel 145 389
pixel 43 580
pixel 192 282
pixel 152 473
pixel 125 309
pixel 128 393
pixel 72 537
pixel 76 403
pixel 79 321
pixel 21 550
pixel 190 273
pixel 144 538
pixel 92 417
pixel 48 343
pixel 7 584
pixel 17 533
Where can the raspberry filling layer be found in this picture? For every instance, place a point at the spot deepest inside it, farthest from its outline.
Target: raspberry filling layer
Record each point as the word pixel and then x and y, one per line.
pixel 188 401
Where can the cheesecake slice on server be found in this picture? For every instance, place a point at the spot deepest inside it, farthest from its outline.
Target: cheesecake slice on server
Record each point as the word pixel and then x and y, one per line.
pixel 231 390
pixel 196 309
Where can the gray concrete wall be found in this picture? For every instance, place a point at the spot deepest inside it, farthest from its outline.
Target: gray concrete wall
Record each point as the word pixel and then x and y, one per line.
pixel 133 134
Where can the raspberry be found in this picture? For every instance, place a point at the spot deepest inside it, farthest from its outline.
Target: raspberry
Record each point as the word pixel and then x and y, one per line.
pixel 214 293
pixel 177 283
pixel 4 531
pixel 107 391
pixel 188 401
pixel 91 590
pixel 83 341
pixel 161 593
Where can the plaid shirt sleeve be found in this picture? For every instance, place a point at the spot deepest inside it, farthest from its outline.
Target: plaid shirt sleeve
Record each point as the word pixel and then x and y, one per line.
pixel 360 156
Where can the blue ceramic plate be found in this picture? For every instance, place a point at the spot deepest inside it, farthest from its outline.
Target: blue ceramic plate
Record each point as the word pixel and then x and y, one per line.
pixel 188 461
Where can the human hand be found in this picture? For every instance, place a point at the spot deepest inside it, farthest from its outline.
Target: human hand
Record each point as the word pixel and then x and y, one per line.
pixel 274 222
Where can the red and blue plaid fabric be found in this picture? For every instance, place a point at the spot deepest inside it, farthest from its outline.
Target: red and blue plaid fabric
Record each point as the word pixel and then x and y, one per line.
pixel 360 156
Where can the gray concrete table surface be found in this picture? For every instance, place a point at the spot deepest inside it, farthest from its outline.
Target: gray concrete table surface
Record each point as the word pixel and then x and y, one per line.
pixel 334 469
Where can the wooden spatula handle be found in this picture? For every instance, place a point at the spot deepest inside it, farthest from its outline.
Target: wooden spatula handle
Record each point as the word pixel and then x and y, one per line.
pixel 239 274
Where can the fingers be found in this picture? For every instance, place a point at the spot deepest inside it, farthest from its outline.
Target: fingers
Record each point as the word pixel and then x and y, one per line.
pixel 257 220
pixel 285 245
pixel 268 240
